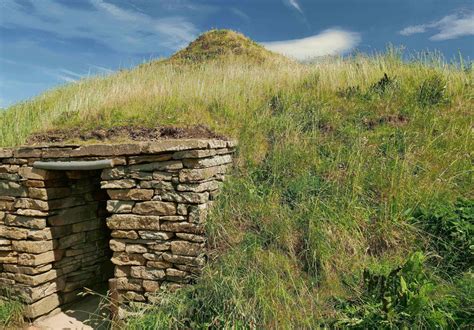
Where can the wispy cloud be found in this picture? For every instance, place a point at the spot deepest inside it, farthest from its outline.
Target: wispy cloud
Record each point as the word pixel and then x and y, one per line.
pixel 295 5
pixel 328 42
pixel 101 68
pixel 449 27
pixel 119 28
pixel 240 14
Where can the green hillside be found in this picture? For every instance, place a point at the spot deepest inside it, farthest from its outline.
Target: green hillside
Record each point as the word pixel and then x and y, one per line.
pixel 351 203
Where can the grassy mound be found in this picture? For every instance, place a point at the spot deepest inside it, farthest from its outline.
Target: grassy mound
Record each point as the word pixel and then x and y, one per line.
pixel 218 44
pixel 351 200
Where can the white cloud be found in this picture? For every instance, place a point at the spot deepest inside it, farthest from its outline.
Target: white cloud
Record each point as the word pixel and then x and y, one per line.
pixel 449 27
pixel 409 30
pixel 122 29
pixel 328 42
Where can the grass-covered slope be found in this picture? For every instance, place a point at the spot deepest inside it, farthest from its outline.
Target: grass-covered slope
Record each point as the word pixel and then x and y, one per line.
pixel 223 44
pixel 351 203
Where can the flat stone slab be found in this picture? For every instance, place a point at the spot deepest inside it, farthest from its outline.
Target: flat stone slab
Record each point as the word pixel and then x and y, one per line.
pixel 48 151
pixel 85 314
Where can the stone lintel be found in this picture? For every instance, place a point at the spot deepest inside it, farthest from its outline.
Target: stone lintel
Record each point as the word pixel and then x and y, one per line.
pixel 112 149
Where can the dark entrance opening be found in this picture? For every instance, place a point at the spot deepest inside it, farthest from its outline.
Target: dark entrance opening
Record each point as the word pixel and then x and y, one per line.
pixel 77 219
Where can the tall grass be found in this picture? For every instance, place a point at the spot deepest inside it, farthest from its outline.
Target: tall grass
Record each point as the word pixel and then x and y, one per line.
pixel 334 158
pixel 11 311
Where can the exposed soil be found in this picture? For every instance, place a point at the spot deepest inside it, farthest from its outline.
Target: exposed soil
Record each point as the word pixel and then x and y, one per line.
pixel 134 133
pixel 393 120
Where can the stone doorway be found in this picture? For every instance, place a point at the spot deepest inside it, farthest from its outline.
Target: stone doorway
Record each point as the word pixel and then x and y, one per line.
pixel 71 214
pixel 67 244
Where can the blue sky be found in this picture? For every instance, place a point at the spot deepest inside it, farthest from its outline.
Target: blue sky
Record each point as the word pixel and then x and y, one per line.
pixel 45 43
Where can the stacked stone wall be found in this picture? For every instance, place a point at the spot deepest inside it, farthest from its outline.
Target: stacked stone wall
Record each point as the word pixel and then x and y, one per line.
pixel 61 231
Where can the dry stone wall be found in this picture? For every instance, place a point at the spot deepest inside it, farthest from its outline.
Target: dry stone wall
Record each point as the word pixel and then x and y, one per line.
pixel 138 223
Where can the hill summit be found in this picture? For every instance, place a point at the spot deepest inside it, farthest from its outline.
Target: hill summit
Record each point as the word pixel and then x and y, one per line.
pixel 218 44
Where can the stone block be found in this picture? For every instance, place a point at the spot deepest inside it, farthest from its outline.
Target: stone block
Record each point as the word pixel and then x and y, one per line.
pixel 114 206
pixel 151 286
pixel 162 176
pixel 123 259
pixel 149 159
pixel 135 248
pixel 158 166
pixel 74 215
pixel 31 294
pixel 207 162
pixel 6 205
pixel 186 248
pixel 131 222
pixel 172 272
pixel 132 296
pixel 42 306
pixel 27 152
pixel 198 187
pixel 131 194
pixel 190 269
pixel 39 174
pixel 9 177
pixel 191 237
pixel 160 264
pixel 116 245
pixel 8 257
pixel 113 173
pixel 147 273
pixel 88 225
pixel 36 247
pixel 27 270
pixel 200 174
pixel 161 185
pixel 130 234
pixel 23 221
pixel 160 246
pixel 182 227
pixel 118 184
pixel 107 150
pixel 156 256
pixel 185 197
pixel 155 208
pixel 122 271
pixel 69 202
pixel 182 209
pixel 48 193
pixel 5 241
pixel 155 235
pixel 141 175
pixel 31 213
pixel 13 189
pixel 174 145
pixel 199 153
pixel 172 218
pixel 72 240
pixel 28 259
pixel 184 260
pixel 37 279
pixel 29 203
pixel 198 213
pixel 124 283
pixel 13 232
pixel 6 153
